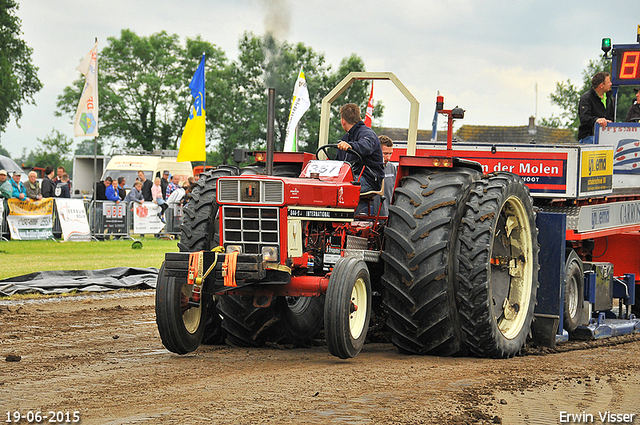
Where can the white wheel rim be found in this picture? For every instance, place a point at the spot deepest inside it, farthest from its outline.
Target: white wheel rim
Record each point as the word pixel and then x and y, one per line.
pixel 572 295
pixel 191 317
pixel 511 315
pixel 358 308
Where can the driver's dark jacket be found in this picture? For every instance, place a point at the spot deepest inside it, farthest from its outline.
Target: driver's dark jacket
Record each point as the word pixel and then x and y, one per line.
pixel 364 141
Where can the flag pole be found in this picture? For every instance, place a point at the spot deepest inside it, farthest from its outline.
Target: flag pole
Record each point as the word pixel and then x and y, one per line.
pixel 95 138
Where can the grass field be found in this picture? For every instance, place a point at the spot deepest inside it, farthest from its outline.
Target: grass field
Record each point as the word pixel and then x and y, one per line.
pixel 23 257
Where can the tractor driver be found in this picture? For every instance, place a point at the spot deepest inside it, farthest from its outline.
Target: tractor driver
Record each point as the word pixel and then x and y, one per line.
pixel 363 140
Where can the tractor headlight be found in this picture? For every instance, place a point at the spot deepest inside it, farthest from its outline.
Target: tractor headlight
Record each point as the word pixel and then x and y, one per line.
pixel 270 253
pixel 234 248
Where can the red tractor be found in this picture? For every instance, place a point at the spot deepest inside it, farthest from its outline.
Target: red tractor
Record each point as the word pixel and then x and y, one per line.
pixel 273 253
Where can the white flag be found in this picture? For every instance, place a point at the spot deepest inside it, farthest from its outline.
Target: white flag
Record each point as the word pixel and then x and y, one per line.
pixel 299 106
pixel 86 121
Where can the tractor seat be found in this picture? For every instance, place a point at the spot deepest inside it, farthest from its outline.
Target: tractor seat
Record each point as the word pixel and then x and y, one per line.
pixel 372 193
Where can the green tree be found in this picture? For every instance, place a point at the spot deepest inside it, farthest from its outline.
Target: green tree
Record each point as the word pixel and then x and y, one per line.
pixel 86 147
pixel 4 152
pixel 265 62
pixel 567 97
pixel 53 150
pixel 143 87
pixel 18 76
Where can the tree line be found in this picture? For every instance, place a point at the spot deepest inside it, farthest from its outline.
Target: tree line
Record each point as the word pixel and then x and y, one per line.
pixel 144 98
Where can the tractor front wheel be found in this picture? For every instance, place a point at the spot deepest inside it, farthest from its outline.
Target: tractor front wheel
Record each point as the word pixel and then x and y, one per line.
pixel 347 307
pixel 180 325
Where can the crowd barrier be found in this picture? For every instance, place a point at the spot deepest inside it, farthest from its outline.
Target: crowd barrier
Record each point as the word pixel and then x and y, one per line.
pixel 106 220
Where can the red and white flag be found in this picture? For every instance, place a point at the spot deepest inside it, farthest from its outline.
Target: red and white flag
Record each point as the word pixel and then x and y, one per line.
pixel 369 115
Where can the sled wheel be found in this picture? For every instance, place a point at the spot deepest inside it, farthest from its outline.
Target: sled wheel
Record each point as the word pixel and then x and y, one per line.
pixel 419 261
pixel 498 266
pixel 181 327
pixel 573 293
pixel 347 307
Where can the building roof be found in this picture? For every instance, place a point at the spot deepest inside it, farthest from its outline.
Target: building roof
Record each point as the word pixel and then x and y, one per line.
pixel 492 134
pixel 516 134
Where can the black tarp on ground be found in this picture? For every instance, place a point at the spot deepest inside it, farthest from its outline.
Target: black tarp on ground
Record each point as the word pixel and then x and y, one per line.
pixel 61 281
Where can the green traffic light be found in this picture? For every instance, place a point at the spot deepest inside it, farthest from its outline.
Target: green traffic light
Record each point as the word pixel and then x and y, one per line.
pixel 606 44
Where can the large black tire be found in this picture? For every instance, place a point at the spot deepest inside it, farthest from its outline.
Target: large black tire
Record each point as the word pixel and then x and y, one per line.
pixel 347 307
pixel 498 266
pixel 573 293
pixel 419 261
pixel 303 317
pixel 181 332
pixel 248 326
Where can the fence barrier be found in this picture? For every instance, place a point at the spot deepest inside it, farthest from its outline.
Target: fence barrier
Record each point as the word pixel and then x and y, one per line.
pixel 108 220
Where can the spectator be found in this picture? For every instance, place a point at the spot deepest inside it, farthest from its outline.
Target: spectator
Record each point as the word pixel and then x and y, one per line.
pixel 19 190
pixel 58 178
pixel 111 192
pixel 634 111
pixel 595 106
pixel 33 187
pixel 164 183
pixel 135 194
pixel 188 187
pixel 156 192
pixel 176 195
pixel 146 186
pixel 390 172
pixel 122 193
pixel 48 186
pixel 62 188
pixel 175 184
pixel 6 190
pixel 101 188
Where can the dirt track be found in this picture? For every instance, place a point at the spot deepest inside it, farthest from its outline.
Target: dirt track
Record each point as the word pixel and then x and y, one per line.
pixel 103 357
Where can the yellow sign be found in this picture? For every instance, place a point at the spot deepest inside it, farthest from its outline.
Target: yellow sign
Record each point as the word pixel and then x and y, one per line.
pixel 596 170
pixel 29 207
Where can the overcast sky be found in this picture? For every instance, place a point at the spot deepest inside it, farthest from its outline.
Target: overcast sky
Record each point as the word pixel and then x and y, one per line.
pixel 485 56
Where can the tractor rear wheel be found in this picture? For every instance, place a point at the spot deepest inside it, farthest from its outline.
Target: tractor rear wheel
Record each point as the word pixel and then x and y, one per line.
pixel 419 261
pixel 347 308
pixel 498 266
pixel 303 318
pixel 181 327
pixel 247 325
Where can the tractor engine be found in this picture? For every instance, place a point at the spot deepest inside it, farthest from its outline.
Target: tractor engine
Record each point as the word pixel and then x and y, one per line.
pixel 298 225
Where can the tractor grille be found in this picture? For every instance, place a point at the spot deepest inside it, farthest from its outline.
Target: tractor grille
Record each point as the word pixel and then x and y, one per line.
pixel 251 191
pixel 252 227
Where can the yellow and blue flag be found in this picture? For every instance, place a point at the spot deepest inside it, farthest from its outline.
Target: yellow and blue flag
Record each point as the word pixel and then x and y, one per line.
pixel 193 141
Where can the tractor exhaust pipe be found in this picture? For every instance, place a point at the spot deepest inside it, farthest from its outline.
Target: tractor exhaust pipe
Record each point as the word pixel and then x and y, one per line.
pixel 271 118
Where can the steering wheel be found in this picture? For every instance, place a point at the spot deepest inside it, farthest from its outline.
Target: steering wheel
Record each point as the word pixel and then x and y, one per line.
pixel 358 161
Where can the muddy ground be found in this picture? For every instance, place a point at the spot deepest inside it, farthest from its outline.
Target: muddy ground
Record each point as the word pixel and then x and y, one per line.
pixel 102 357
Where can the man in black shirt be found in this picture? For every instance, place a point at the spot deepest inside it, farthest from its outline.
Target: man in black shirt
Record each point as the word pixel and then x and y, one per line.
pixel 596 106
pixel 146 186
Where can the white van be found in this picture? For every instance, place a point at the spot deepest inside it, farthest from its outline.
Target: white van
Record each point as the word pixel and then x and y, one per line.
pixel 127 166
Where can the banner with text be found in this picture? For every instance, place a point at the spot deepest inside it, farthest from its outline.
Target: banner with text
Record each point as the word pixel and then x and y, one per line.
pixel 30 220
pixel 73 220
pixel 146 219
